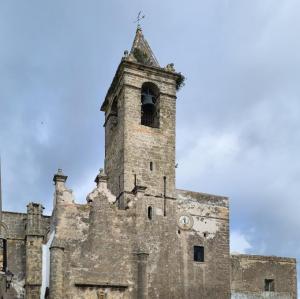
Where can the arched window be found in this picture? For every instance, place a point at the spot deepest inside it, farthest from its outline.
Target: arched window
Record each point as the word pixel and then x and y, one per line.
pixel 150 105
pixel 112 117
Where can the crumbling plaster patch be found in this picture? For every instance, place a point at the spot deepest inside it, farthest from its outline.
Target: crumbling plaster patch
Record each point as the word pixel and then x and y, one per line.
pixel 207 218
pixel 18 286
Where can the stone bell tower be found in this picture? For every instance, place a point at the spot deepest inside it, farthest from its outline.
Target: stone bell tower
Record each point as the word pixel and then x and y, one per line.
pixel 140 112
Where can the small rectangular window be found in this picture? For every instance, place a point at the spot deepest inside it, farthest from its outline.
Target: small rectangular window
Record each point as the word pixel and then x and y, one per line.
pixel 269 285
pixel 198 253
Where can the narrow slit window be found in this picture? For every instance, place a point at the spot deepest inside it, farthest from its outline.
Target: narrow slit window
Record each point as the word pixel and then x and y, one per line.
pixel 150 213
pixel 198 253
pixel 269 285
pixel 151 166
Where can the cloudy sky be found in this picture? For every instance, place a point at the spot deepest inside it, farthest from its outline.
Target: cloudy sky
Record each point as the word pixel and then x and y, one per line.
pixel 238 118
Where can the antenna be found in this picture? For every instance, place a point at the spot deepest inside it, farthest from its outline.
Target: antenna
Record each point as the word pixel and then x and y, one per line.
pixel 140 16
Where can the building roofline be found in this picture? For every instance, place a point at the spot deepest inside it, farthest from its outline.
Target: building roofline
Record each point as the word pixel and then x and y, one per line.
pixel 203 194
pixel 264 257
pixel 21 213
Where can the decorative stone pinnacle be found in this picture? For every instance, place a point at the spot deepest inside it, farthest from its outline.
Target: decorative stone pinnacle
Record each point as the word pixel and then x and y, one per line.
pixel 35 207
pixel 170 67
pixel 126 53
pixel 59 176
pixel 101 177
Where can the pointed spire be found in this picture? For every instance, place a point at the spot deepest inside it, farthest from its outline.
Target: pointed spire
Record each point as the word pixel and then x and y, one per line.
pixel 141 50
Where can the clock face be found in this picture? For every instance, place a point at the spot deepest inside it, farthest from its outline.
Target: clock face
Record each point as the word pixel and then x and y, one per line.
pixel 185 221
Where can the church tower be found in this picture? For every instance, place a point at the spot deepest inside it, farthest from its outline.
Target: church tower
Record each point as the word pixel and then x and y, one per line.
pixel 140 115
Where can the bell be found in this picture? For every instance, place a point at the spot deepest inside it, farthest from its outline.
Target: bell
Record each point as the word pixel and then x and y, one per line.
pixel 147 99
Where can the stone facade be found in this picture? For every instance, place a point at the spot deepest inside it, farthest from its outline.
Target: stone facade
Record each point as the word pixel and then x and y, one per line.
pixel 137 236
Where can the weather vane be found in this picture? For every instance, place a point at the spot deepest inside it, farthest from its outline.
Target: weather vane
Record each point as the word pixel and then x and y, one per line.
pixel 139 18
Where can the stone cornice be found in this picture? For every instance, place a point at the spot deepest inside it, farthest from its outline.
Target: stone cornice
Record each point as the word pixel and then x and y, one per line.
pixel 138 66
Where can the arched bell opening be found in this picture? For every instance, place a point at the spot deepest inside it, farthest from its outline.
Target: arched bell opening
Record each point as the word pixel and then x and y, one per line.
pixel 114 107
pixel 150 105
pixel 112 117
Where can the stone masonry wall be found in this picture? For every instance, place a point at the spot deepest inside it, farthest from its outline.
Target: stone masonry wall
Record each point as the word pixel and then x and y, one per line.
pixel 16 251
pixel 248 274
pixel 143 144
pixel 125 254
pixel 166 250
pixel 89 251
pixel 114 144
pixel 35 232
pixel 129 146
pixel 210 229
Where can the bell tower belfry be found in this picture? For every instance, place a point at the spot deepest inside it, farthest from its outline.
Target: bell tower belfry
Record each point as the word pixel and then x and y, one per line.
pixel 140 112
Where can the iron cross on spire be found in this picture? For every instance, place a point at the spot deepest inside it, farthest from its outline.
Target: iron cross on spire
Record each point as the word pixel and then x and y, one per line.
pixel 139 18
